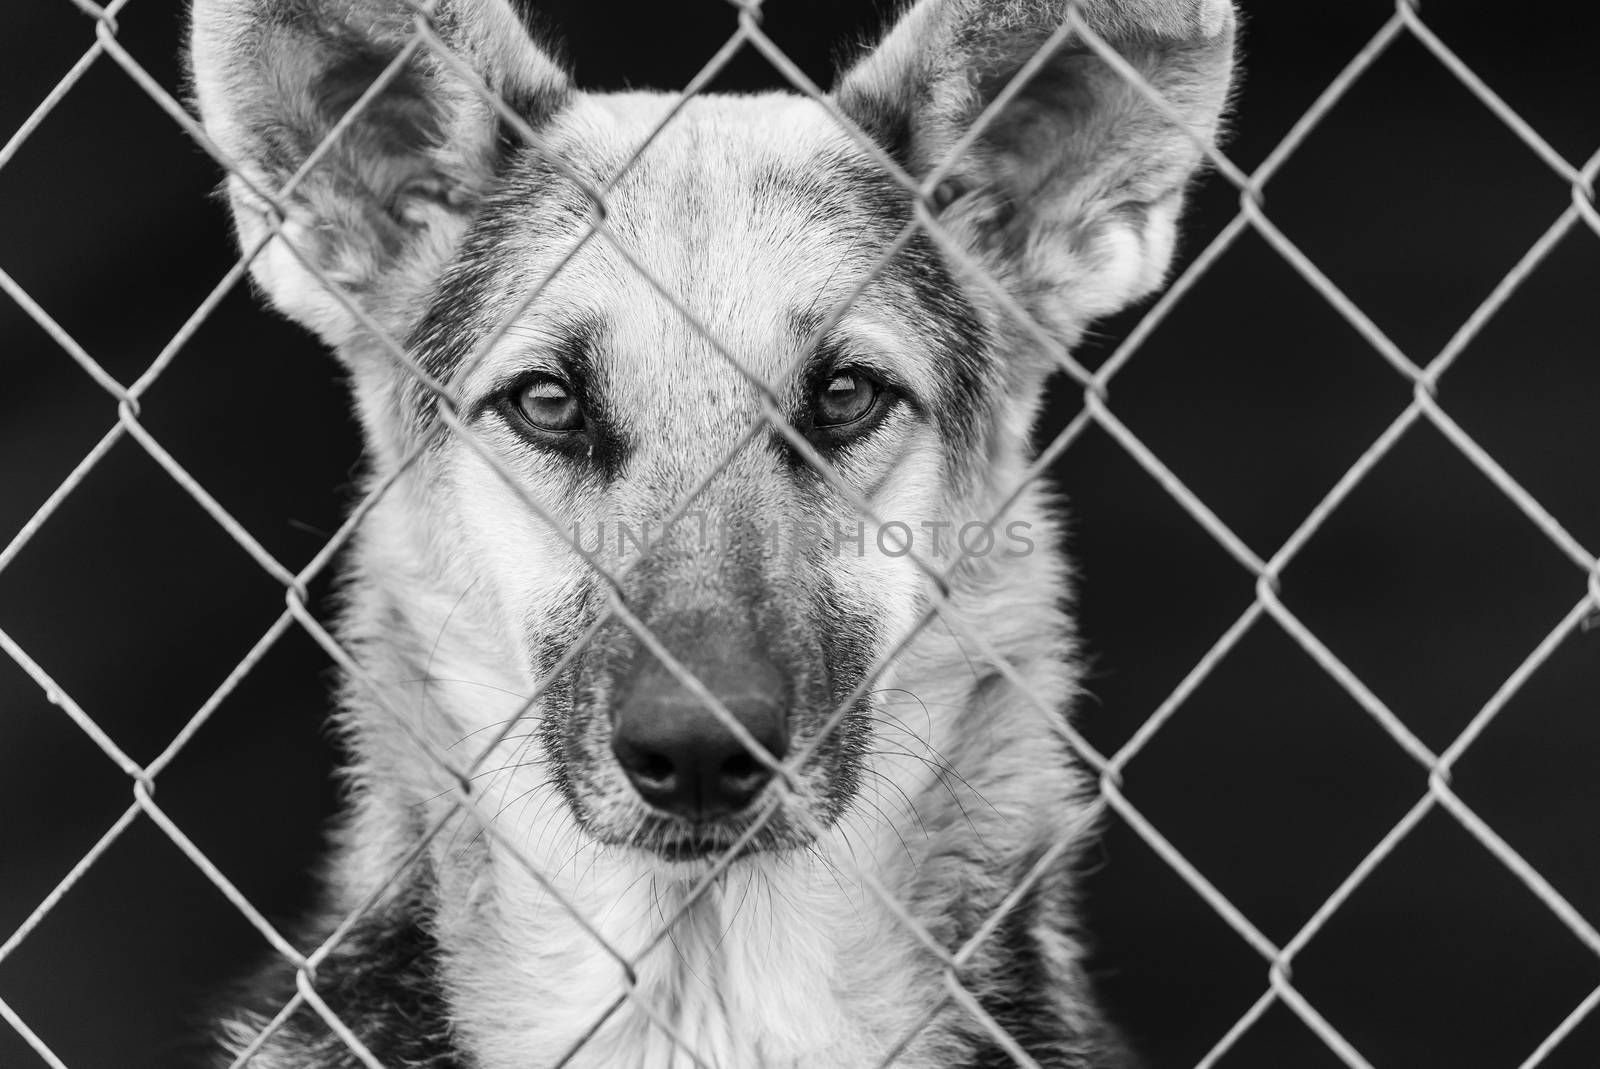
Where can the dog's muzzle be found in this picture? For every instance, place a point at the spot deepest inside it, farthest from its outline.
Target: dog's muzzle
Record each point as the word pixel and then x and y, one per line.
pixel 682 756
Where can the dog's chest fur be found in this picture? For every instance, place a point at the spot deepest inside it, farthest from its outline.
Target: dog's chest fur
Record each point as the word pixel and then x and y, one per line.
pixel 740 983
pixel 757 971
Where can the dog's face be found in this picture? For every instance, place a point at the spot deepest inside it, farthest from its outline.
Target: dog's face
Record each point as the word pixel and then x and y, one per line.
pixel 668 447
pixel 640 431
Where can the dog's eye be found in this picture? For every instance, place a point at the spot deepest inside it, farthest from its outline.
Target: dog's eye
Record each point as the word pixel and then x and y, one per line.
pixel 844 397
pixel 549 405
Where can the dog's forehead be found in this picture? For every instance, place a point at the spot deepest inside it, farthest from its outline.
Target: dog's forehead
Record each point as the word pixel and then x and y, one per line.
pixel 742 211
pixel 742 224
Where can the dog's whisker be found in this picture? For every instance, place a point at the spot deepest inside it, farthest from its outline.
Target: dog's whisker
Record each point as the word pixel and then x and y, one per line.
pixel 433 650
pixel 888 820
pixel 489 727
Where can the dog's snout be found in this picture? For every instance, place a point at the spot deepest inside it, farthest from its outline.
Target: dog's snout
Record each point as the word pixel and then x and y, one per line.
pixel 679 753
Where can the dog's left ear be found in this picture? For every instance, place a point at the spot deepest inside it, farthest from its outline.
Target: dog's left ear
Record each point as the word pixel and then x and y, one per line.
pixel 1071 194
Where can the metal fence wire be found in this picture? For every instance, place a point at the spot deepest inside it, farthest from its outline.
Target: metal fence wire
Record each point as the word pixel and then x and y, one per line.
pixel 1434 790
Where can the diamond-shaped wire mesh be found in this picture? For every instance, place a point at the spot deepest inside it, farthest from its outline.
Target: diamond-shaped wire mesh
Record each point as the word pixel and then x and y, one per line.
pixel 126 427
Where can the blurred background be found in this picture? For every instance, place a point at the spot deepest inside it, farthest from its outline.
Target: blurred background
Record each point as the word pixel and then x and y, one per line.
pixel 1411 196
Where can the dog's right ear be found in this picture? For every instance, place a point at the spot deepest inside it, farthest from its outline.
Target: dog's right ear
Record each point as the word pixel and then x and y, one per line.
pixel 385 205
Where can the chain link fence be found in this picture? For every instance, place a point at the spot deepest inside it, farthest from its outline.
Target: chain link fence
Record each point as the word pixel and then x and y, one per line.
pixel 1264 565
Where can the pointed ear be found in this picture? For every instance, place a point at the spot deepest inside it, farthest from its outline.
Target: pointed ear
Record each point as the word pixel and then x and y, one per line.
pixel 1071 195
pixel 385 205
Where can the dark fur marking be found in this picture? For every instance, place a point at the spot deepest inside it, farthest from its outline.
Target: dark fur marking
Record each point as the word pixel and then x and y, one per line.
pixel 889 126
pixel 475 292
pixel 1027 995
pixel 879 209
pixel 597 453
pixel 964 343
pixel 847 651
pixel 579 348
pixel 382 980
pixel 947 318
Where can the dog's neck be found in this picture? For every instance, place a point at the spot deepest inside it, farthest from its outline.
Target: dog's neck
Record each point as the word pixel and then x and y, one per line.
pixel 779 962
pixel 782 960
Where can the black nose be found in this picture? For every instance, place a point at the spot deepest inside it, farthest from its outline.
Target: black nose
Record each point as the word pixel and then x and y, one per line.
pixel 677 752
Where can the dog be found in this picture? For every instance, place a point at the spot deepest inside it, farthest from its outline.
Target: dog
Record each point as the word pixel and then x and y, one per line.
pixel 708 643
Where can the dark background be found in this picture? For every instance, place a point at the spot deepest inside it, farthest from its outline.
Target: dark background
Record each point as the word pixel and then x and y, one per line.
pixel 1428 583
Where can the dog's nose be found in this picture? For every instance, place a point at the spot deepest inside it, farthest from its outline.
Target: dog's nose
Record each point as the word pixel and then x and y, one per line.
pixel 679 754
